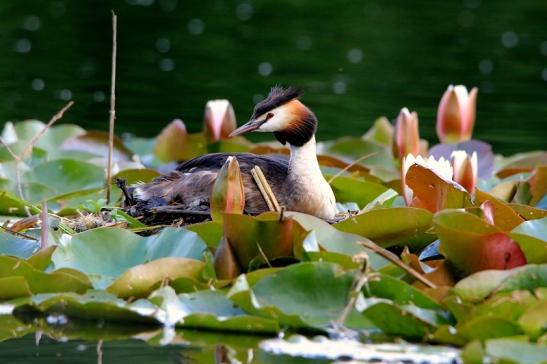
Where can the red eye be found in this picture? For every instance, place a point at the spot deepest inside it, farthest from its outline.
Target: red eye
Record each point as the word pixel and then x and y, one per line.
pixel 269 116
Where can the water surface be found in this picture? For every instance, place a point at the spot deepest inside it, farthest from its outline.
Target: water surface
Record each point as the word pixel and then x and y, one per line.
pixel 357 60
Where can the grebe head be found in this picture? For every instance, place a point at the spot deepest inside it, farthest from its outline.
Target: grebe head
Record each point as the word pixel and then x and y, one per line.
pixel 283 114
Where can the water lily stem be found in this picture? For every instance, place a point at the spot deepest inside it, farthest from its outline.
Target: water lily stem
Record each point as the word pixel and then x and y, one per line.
pixel 112 110
pixel 362 278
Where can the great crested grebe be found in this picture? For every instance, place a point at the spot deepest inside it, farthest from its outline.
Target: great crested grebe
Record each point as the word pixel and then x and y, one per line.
pixel 297 183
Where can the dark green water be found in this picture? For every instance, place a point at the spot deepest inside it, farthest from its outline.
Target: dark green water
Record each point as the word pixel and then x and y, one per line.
pixel 357 60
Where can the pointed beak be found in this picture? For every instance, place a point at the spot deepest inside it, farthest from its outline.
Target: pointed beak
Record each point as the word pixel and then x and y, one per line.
pixel 247 127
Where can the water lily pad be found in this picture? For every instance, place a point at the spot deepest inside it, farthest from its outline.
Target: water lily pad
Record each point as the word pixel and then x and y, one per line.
pixel 106 253
pixel 472 244
pixel 392 226
pixel 534 321
pixel 138 281
pixel 515 350
pixel 36 280
pixel 213 311
pixel 96 305
pixel 407 320
pixel 485 327
pixel 67 175
pixel 348 189
pixel 531 237
pixel 504 216
pixel 264 237
pixel 11 244
pixel 332 240
pixel 399 292
pixel 309 294
pixel 355 148
pixel 52 138
pixel 480 285
pixel 13 205
pixel 96 142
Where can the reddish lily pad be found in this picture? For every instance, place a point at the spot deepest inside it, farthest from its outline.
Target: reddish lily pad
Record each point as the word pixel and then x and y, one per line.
pixel 472 244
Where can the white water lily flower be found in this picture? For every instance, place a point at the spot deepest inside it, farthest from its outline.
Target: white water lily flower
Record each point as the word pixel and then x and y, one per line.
pixel 440 167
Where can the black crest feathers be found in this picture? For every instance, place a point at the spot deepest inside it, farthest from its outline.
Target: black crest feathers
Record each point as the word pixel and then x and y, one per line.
pixel 277 97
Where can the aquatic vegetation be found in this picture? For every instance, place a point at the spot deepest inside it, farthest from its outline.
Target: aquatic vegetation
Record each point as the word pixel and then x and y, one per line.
pixel 441 247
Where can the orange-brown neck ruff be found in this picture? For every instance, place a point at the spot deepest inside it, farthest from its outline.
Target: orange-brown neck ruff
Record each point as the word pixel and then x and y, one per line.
pixel 301 128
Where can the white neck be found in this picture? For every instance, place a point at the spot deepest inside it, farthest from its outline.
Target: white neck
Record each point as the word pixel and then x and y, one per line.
pixel 304 159
pixel 304 170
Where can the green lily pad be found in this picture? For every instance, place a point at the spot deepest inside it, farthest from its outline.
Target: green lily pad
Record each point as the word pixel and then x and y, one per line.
pixel 63 280
pixel 480 285
pixel 332 240
pixel 95 305
pixel 534 321
pixel 138 281
pixel 484 327
pixel 399 292
pixel 515 350
pixel 52 138
pixel 355 148
pixel 13 205
pixel 349 189
pixel 11 328
pixel 531 236
pixel 305 295
pixel 404 226
pixel 106 253
pixel 264 237
pixel 96 142
pixel 407 321
pixel 66 175
pixel 11 244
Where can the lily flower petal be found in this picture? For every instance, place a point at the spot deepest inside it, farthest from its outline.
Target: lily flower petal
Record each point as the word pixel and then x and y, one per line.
pixel 406 139
pixel 456 114
pixel 465 169
pixel 219 120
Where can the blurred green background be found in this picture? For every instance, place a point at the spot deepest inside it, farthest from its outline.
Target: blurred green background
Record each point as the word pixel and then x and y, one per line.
pixel 356 60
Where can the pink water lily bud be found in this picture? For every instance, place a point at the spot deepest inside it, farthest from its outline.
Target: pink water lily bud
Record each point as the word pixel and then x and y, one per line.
pixel 219 119
pixel 406 139
pixel 465 169
pixel 456 114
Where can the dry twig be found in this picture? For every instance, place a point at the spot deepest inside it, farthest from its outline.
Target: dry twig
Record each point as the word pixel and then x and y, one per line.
pixel 45 226
pixel 265 189
pixel 58 116
pixel 398 262
pixel 350 165
pixel 112 110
